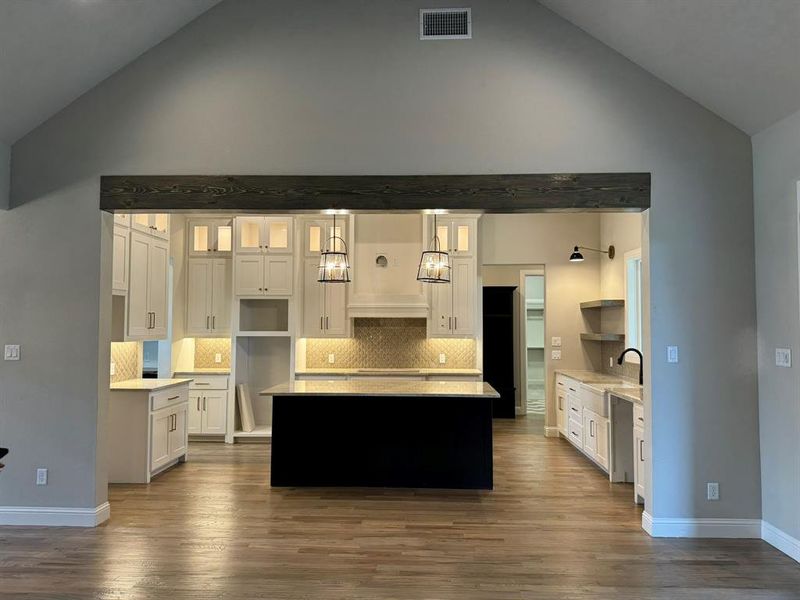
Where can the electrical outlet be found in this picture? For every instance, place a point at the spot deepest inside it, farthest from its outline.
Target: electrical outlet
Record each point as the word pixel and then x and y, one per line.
pixel 713 490
pixel 331 358
pixel 218 358
pixel 41 476
pixel 783 357
pixel 555 355
pixel 11 353
pixel 672 354
pixel 442 358
pixel 555 342
pixel 113 369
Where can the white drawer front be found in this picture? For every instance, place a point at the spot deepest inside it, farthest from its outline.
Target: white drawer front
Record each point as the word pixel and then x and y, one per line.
pixel 574 408
pixel 571 385
pixel 209 382
pixel 575 433
pixel 168 397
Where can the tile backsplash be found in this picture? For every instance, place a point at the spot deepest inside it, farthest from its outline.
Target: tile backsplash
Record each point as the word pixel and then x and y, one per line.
pixel 390 343
pixel 206 349
pixel 125 356
pixel 612 350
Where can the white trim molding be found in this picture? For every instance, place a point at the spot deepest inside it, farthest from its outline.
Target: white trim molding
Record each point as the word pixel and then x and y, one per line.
pixel 701 528
pixel 780 540
pixel 54 516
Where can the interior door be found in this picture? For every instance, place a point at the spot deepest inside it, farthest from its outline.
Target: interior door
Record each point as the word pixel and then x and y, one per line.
pixel 158 287
pixel 278 276
pixel 249 275
pixel 178 439
pixel 194 419
pixel 463 285
pixel 221 296
pixel 312 300
pixel 160 423
pixel 138 308
pixel 214 410
pixel 199 290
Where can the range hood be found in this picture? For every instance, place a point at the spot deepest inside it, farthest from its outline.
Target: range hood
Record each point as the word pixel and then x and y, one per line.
pixel 386 256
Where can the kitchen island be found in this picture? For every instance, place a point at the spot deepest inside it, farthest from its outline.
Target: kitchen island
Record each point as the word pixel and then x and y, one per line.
pixel 416 434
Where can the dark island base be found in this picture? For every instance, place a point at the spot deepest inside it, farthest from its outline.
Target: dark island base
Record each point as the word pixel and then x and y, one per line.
pixel 385 441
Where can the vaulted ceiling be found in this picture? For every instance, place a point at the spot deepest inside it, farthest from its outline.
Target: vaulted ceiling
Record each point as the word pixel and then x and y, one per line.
pixel 52 51
pixel 738 58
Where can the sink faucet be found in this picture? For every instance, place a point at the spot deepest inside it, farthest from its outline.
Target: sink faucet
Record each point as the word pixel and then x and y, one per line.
pixel 641 361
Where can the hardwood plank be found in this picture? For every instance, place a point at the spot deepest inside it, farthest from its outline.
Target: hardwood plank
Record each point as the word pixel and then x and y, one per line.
pixel 553 528
pixel 286 193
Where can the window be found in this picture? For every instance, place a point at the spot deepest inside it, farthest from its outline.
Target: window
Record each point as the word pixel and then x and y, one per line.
pixel 633 303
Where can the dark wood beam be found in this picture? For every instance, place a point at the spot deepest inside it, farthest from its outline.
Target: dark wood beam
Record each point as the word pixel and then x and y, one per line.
pixel 287 193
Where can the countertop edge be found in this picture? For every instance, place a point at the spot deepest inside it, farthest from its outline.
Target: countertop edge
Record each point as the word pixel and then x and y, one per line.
pixel 141 388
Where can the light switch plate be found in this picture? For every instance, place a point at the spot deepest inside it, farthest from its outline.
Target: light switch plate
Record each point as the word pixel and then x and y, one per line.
pixel 555 342
pixel 218 358
pixel 442 358
pixel 113 368
pixel 11 353
pixel 41 476
pixel 672 354
pixel 713 490
pixel 331 358
pixel 783 357
pixel 555 355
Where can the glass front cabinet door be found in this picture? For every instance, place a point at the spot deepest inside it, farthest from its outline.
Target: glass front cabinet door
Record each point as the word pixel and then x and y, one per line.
pixel 264 235
pixel 210 237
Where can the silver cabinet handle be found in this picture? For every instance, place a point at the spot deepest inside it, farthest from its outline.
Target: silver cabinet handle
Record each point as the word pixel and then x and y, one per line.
pixel 641 450
pixel 204 403
pixel 208 322
pixel 450 323
pixel 327 323
pixel 591 428
pixel 560 403
pixel 214 322
pixel 172 398
pixel 201 383
pixel 456 322
pixel 198 403
pixel 321 322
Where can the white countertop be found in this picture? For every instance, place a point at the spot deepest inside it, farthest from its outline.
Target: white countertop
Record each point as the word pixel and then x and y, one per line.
pixel 207 371
pixel 365 387
pixel 388 371
pixel 147 385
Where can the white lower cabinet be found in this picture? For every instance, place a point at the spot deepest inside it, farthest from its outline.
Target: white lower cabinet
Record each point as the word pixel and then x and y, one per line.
pixel 208 405
pixel 639 455
pixel 561 405
pixel 595 437
pixel 149 432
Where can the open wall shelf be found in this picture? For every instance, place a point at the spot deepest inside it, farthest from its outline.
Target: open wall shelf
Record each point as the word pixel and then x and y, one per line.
pixel 608 303
pixel 603 337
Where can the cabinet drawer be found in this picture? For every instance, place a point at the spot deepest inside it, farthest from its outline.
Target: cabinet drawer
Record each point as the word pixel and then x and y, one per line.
pixel 638 415
pixel 571 385
pixel 575 433
pixel 209 382
pixel 574 408
pixel 168 397
pixel 594 400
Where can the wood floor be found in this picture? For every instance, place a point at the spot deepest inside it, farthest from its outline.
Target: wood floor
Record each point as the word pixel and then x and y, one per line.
pixel 552 528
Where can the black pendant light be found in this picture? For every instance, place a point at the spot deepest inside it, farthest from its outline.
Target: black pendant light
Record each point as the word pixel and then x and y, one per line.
pixel 434 265
pixel 334 267
pixel 576 255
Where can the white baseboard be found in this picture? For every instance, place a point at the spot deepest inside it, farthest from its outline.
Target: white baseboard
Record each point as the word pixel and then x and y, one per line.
pixel 54 516
pixel 781 540
pixel 551 432
pixel 701 528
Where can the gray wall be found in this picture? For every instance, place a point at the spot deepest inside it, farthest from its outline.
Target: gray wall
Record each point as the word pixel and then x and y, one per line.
pixel 776 158
pixel 5 175
pixel 346 87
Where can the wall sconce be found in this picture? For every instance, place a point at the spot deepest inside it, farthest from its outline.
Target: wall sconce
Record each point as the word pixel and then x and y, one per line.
pixel 576 255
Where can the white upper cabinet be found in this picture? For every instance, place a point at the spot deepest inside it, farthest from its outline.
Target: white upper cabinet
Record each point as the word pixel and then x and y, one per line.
pixel 208 310
pixel 457 235
pixel 324 305
pixel 210 237
pixel 264 235
pixel 120 260
pixel 319 231
pixel 147 292
pixel 156 224
pixel 453 304
pixel 264 275
pixel 123 219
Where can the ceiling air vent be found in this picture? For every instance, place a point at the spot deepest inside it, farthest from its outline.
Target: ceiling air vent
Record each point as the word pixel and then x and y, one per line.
pixel 445 24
